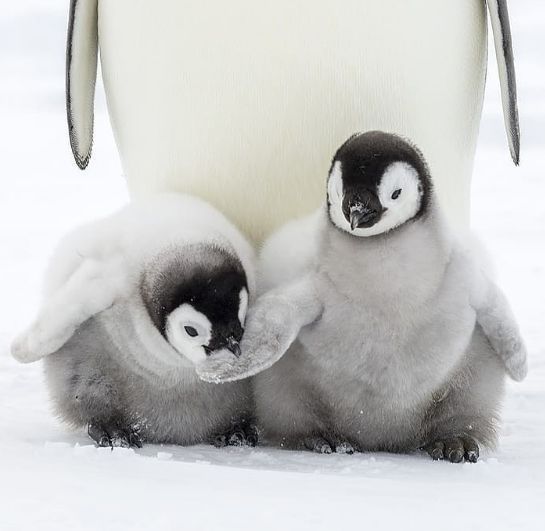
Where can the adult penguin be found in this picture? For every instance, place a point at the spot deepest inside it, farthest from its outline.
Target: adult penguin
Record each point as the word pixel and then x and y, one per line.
pixel 242 102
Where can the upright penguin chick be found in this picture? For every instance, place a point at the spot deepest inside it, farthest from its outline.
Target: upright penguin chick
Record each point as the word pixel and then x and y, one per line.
pixel 395 337
pixel 132 304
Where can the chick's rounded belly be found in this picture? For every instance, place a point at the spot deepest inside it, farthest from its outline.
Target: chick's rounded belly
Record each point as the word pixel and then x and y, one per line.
pixel 376 387
pixel 190 413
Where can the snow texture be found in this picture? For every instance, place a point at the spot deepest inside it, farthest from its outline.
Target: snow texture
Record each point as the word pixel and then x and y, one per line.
pixel 54 479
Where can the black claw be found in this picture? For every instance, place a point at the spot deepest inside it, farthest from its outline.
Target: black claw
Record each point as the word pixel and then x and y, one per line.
pixel 251 434
pixel 252 439
pixel 119 439
pixel 328 445
pixel 456 455
pixel 236 439
pixel 120 442
pixel 220 441
pixel 436 454
pixel 344 448
pixel 104 442
pixel 471 450
pixel 472 456
pixel 134 440
pixel 242 433
pixel 323 447
pixel 435 451
pixel 98 435
pixel 113 437
pixel 455 450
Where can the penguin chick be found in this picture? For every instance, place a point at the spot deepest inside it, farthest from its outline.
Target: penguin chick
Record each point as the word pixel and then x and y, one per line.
pixel 132 304
pixel 197 298
pixel 396 338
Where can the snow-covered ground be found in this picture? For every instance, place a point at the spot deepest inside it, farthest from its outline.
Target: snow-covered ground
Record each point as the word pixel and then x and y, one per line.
pixel 51 478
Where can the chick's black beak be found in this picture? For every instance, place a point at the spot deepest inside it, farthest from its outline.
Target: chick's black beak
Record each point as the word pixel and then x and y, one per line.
pixel 233 346
pixel 364 211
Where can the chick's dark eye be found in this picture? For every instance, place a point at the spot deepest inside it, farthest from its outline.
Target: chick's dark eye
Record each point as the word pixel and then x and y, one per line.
pixel 396 194
pixel 190 331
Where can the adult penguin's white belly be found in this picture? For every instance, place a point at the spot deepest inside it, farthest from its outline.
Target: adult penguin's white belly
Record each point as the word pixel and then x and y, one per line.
pixel 243 103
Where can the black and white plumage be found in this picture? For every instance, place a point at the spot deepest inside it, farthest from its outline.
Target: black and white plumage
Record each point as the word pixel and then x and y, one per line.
pixel 132 303
pixel 400 67
pixel 501 28
pixel 396 337
pixel 81 70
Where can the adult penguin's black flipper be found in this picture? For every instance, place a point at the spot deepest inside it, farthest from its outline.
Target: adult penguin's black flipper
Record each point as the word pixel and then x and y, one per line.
pixel 81 73
pixel 499 17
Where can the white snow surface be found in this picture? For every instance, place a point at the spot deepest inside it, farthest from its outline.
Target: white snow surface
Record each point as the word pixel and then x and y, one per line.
pixel 53 478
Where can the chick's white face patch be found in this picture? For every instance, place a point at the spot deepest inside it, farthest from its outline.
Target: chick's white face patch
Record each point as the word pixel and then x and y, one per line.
pixel 335 195
pixel 242 305
pixel 189 331
pixel 399 193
